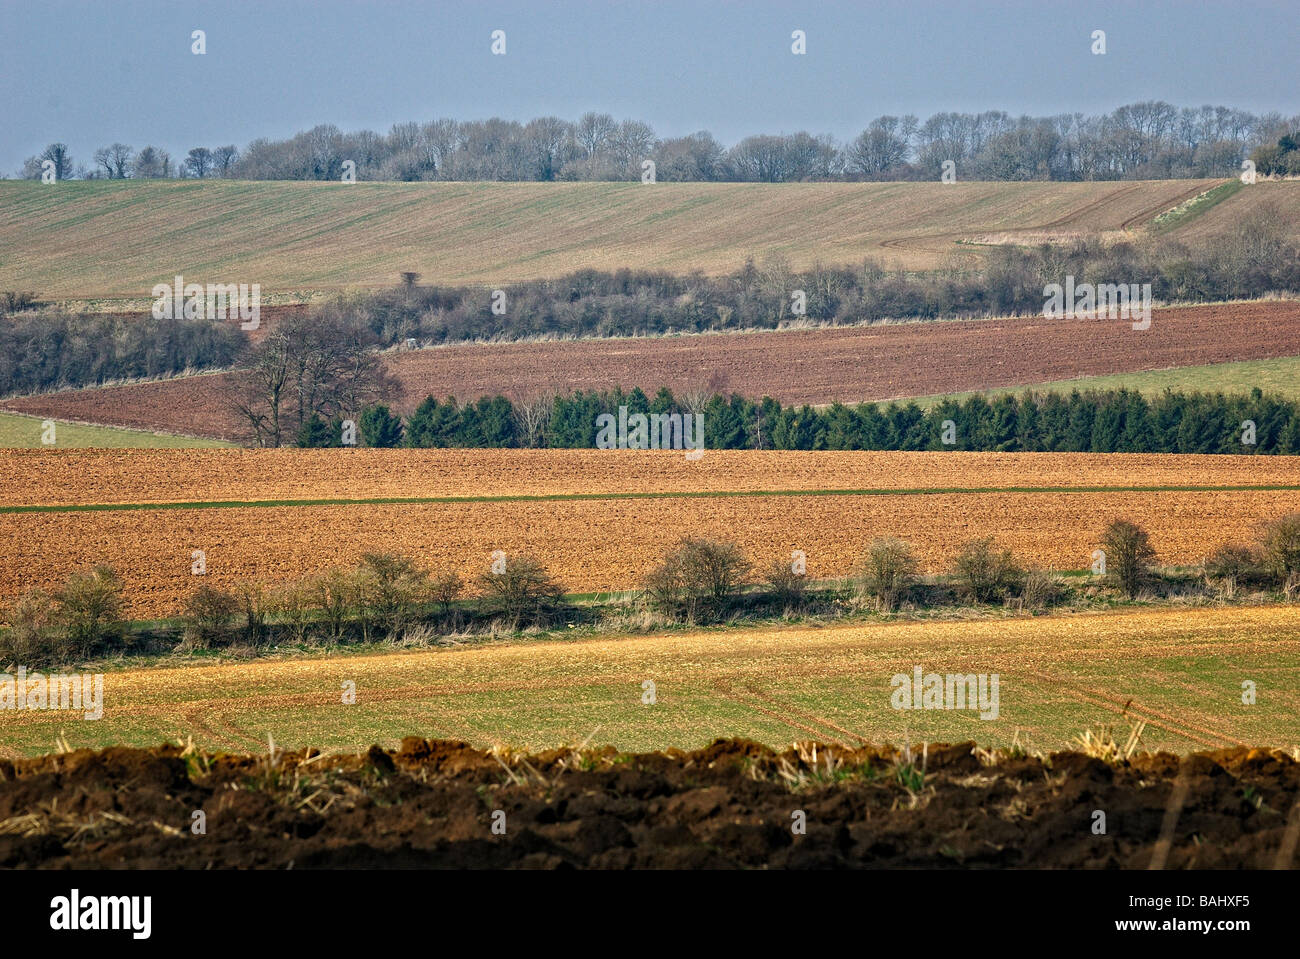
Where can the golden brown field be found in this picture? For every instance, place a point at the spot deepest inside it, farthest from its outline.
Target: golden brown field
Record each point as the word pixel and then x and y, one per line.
pixel 87 476
pixel 609 514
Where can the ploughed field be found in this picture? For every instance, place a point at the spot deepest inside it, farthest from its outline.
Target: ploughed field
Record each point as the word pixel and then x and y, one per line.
pixel 599 519
pixel 794 366
pixel 732 805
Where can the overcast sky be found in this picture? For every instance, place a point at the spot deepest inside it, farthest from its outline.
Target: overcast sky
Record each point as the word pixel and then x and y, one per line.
pixel 90 73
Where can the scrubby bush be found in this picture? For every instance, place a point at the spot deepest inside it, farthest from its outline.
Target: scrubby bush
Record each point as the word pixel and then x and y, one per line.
pixel 292 603
pixel 209 615
pixel 1234 565
pixel 34 636
pixel 445 589
pixel 392 589
pixel 785 585
pixel 985 573
pixel 1039 589
pixel 334 594
pixel 697 578
pixel 15 301
pixel 1129 555
pixel 887 571
pixel 254 605
pixel 1280 545
pixel 523 592
pixel 90 611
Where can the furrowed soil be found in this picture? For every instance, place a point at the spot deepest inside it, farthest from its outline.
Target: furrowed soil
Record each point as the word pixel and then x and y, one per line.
pixel 853 364
pixel 598 519
pixel 731 805
pixel 46 477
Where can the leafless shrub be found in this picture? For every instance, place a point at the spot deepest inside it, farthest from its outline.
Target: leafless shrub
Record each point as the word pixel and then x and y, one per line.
pixel 208 619
pixel 35 636
pixel 887 571
pixel 524 592
pixel 984 573
pixel 697 578
pixel 1129 555
pixel 1039 589
pixel 784 583
pixel 1280 546
pixel 90 608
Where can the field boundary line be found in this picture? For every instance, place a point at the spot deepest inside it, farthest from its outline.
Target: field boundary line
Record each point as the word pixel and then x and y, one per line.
pixel 19 509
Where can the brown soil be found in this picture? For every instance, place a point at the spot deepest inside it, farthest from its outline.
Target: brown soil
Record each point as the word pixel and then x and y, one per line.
pixel 802 366
pixel 730 805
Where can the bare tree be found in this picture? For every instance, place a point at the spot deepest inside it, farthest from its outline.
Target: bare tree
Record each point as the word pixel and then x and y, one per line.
pixel 532 413
pixel 631 143
pixel 199 161
pixel 152 163
pixel 882 146
pixel 115 159
pixel 545 140
pixel 55 153
pixel 594 131
pixel 223 158
pixel 322 365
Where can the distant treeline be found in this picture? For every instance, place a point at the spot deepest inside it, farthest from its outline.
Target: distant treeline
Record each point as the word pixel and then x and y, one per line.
pixel 1256 258
pixel 1138 141
pixel 50 350
pixel 1111 421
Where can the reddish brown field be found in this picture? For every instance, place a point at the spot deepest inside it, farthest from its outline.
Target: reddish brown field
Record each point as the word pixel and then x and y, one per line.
pixel 610 537
pixel 803 366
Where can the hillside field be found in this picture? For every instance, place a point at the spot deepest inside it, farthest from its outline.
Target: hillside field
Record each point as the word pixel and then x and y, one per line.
pixel 116 239
pixel 18 431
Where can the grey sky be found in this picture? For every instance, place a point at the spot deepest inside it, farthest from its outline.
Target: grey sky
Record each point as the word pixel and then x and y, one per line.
pixel 89 73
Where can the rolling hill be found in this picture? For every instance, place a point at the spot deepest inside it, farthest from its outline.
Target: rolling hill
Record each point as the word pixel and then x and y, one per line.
pixel 116 239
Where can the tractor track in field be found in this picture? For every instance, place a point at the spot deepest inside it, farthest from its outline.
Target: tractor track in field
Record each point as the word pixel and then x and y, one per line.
pixel 1153 717
pixel 805 714
pixel 1156 210
pixel 736 697
pixel 920 241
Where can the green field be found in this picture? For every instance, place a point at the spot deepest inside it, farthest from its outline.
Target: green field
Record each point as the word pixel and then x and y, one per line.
pixel 1279 377
pixel 1180 671
pixel 25 432
pixel 116 239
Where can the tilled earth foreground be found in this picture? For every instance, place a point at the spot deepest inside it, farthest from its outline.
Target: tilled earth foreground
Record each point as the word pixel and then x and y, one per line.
pixel 734 804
